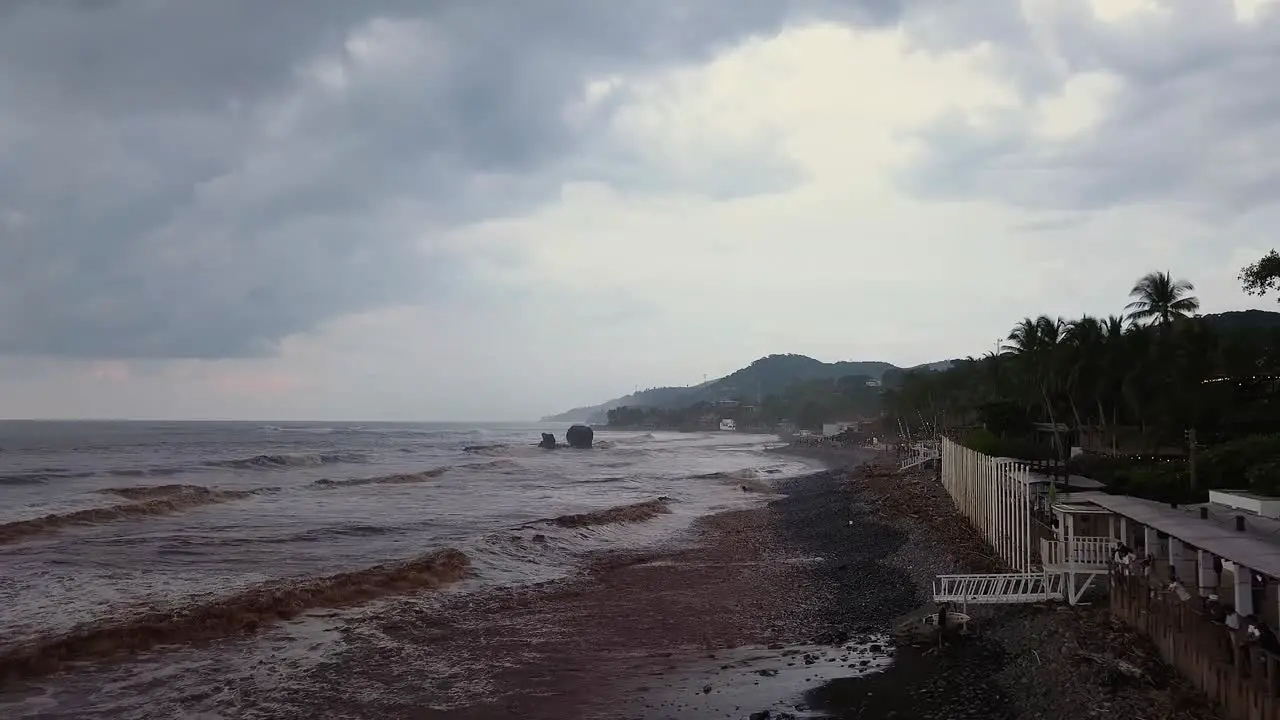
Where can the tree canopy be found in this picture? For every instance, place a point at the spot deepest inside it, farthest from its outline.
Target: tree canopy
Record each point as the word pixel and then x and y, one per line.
pixel 1263 276
pixel 807 403
pixel 1157 368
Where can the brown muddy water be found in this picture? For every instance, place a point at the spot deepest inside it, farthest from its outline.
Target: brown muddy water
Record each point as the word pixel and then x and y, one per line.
pixel 142 564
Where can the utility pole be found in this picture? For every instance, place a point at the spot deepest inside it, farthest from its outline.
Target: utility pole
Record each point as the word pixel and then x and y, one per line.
pixel 1191 456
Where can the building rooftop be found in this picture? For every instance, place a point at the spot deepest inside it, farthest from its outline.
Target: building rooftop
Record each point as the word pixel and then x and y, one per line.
pixel 1257 547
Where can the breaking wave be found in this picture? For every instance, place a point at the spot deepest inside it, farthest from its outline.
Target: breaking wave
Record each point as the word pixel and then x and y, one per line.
pixel 285 460
pixel 633 513
pixel 493 465
pixel 153 501
pixel 744 474
pixel 148 492
pixel 397 479
pixel 238 614
pixel 748 479
pixel 40 476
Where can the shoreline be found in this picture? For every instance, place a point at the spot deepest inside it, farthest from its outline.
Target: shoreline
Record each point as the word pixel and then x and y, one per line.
pixel 782 608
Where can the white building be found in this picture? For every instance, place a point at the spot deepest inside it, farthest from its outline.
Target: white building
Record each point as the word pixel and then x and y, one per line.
pixel 832 429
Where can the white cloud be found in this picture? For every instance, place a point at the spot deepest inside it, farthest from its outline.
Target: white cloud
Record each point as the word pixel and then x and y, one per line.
pixel 1079 109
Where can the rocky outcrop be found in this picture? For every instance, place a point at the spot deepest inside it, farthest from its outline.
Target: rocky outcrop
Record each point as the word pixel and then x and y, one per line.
pixel 548 441
pixel 579 436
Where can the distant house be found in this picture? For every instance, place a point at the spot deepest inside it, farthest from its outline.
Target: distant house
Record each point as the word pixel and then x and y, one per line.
pixel 833 429
pixel 873 383
pixel 726 403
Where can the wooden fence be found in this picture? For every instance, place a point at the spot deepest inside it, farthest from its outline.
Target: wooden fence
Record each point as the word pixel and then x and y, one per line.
pixel 1241 678
pixel 996 498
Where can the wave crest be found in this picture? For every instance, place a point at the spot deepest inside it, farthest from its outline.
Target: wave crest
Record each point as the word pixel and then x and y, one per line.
pixel 748 479
pixel 635 512
pixel 41 476
pixel 147 492
pixel 283 460
pixel 397 479
pixel 163 500
pixel 243 612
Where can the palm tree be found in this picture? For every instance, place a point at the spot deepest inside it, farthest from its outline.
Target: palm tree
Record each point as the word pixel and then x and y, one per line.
pixel 1036 345
pixel 1158 299
pixel 1085 341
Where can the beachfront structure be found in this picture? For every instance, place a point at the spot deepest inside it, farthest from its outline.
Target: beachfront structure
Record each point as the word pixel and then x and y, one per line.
pixel 918 454
pixel 1226 550
pixel 1001 497
pixel 835 428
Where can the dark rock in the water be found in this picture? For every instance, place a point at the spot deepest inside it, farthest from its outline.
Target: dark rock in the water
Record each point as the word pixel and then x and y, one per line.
pixel 548 441
pixel 579 436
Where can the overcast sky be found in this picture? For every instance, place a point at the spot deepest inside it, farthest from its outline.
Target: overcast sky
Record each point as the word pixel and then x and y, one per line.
pixel 498 209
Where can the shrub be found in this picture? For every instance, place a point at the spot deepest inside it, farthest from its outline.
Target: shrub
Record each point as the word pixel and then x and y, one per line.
pixel 1264 479
pixel 1229 464
pixel 1160 481
pixel 1098 467
pixel 988 443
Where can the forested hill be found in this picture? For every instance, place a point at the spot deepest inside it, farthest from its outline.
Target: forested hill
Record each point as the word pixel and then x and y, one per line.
pixel 766 376
pixel 775 373
pixel 1243 320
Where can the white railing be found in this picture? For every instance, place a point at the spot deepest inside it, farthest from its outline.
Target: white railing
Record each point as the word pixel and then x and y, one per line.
pixel 995 496
pixel 919 454
pixel 1001 588
pixel 1090 551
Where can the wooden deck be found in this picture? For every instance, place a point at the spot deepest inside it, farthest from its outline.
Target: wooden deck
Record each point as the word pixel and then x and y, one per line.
pixel 1257 551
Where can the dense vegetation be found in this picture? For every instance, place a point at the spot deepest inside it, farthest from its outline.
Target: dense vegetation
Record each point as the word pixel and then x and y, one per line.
pixel 807 403
pixel 1132 382
pixel 769 377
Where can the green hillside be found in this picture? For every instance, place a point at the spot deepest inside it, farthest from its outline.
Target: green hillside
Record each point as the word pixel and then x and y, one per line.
pixel 767 376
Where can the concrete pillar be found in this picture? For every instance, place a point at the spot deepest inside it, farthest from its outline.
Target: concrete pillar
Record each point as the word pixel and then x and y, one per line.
pixel 1181 563
pixel 1244 590
pixel 1111 527
pixel 1151 542
pixel 1124 532
pixel 1208 579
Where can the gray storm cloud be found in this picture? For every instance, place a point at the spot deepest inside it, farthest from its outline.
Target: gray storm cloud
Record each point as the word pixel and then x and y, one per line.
pixel 1195 120
pixel 201 179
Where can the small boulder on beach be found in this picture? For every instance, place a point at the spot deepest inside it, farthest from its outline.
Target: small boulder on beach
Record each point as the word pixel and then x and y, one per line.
pixel 548 441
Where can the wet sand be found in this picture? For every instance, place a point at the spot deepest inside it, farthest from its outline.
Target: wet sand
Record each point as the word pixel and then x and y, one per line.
pixel 781 609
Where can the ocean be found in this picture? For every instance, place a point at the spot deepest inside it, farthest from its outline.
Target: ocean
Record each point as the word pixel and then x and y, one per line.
pixel 142 563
